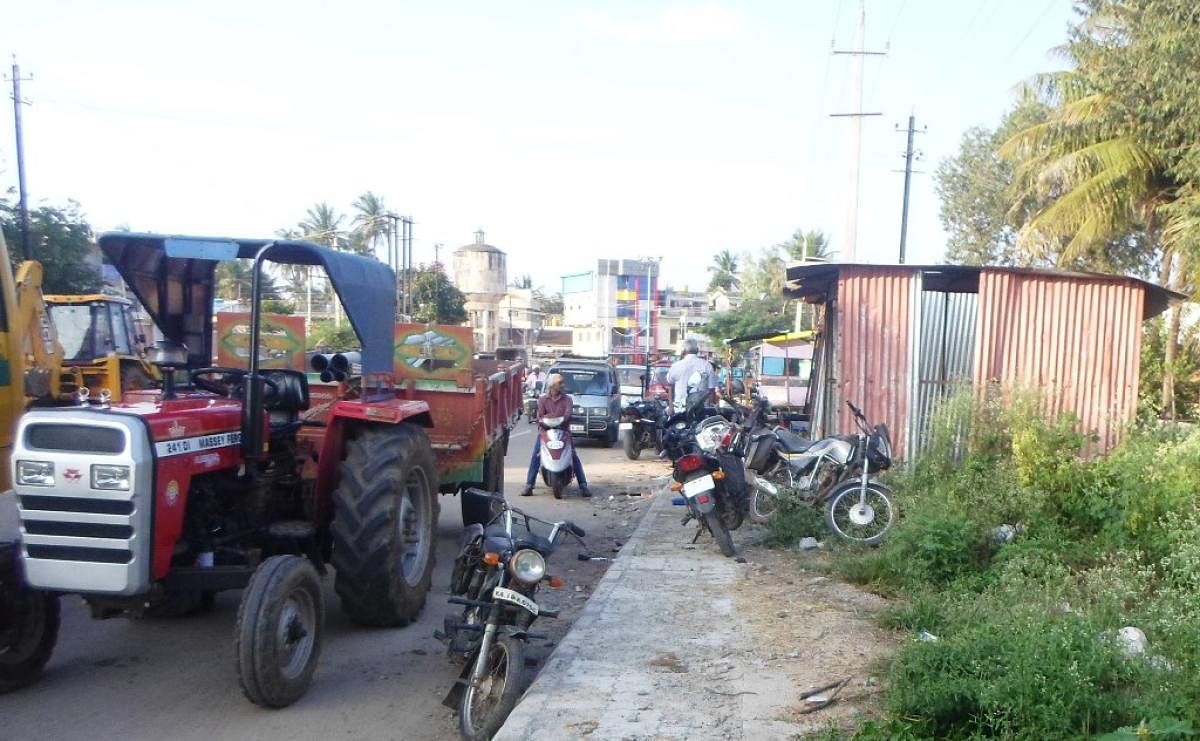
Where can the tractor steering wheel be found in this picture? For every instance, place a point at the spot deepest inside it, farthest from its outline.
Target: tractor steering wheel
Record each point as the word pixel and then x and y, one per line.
pixel 232 382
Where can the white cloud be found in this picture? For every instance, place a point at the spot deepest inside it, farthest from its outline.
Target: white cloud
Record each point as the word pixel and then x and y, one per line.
pixel 678 24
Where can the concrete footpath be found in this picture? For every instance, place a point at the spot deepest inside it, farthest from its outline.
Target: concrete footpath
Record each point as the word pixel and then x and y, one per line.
pixel 661 651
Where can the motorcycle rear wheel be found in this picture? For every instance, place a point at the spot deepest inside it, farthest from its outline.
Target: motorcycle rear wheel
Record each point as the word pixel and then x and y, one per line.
pixel 484 709
pixel 633 450
pixel 719 533
pixel 763 504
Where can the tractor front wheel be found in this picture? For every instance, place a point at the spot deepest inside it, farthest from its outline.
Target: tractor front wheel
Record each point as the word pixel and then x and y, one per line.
pixel 28 626
pixel 384 526
pixel 277 639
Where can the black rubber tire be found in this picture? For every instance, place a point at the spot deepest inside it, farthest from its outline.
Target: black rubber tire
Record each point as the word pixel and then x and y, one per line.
pixel 29 623
pixel 633 451
pixel 383 468
pixel 719 533
pixel 508 655
pixel 278 585
pixel 610 437
pixel 844 495
pixel 474 509
pixel 558 482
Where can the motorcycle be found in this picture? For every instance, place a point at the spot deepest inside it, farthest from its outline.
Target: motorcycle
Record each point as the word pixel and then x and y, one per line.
pixel 641 427
pixel 712 481
pixel 495 578
pixel 834 473
pixel 532 394
pixel 556 453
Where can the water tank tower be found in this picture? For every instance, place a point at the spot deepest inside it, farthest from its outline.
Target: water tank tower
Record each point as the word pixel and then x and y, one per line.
pixel 480 272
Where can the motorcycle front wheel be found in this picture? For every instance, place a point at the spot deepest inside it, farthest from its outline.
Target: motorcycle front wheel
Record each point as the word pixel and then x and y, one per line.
pixel 860 517
pixel 485 708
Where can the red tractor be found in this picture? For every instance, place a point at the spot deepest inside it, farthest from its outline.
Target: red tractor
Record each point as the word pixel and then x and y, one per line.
pixel 216 481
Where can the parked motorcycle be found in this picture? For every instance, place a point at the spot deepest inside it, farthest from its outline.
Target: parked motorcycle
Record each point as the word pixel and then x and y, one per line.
pixel 556 452
pixel 532 394
pixel 834 473
pixel 496 577
pixel 641 427
pixel 712 481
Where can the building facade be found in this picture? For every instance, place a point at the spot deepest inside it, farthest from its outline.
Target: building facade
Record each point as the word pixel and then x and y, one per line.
pixel 612 309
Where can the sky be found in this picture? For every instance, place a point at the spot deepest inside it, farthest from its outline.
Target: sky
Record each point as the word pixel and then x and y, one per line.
pixel 567 131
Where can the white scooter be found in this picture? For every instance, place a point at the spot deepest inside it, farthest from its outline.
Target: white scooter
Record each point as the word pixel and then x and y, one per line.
pixel 556 453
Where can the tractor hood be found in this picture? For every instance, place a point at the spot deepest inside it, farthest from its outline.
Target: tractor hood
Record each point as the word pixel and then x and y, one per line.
pixel 173 277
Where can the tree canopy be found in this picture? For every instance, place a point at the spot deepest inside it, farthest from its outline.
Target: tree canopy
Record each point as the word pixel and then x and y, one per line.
pixel 435 298
pixel 63 243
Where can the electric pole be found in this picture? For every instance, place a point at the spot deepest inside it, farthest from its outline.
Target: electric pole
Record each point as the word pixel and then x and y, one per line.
pixel 908 173
pixel 23 204
pixel 859 54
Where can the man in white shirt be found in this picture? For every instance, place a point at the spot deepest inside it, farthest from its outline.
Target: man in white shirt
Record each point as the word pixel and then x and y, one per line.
pixel 536 376
pixel 682 371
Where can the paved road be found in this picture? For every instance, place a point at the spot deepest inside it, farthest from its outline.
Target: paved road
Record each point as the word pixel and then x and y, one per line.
pixel 151 679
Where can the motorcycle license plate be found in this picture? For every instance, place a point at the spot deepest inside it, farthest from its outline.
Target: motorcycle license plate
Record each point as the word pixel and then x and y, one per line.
pixel 699 486
pixel 577 428
pixel 625 426
pixel 516 598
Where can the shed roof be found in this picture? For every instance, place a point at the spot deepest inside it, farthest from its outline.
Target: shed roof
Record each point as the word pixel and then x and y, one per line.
pixel 812 281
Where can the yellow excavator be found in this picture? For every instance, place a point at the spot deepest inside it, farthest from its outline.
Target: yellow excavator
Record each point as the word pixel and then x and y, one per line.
pixel 34 369
pixel 102 347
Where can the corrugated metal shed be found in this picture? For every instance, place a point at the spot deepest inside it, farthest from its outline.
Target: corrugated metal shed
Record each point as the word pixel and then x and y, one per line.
pixel 898 337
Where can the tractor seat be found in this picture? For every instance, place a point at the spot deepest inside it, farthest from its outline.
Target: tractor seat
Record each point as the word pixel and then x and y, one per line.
pixel 290 398
pixel 792 442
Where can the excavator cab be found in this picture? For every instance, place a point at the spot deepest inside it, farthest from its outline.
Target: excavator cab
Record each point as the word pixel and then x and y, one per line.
pixel 102 345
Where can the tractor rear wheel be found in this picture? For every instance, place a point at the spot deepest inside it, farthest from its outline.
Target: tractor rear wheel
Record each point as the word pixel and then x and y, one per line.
pixel 28 625
pixel 384 526
pixel 277 639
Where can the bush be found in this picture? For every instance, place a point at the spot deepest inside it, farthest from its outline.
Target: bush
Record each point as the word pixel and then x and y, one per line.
pixel 1026 628
pixel 795 519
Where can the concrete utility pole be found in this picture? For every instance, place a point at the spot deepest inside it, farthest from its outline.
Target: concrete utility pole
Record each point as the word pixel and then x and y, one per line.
pixel 908 173
pixel 859 54
pixel 23 203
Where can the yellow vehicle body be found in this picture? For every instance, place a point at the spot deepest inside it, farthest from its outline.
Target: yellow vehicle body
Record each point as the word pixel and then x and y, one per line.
pixel 101 345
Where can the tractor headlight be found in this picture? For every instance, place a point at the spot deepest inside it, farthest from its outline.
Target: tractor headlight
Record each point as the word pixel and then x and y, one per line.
pixel 598 411
pixel 110 477
pixel 527 566
pixel 35 473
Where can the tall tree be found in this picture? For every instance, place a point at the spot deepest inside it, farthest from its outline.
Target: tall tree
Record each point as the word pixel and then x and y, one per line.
pixel 62 242
pixel 810 245
pixel 323 224
pixel 370 223
pixel 724 270
pixel 435 298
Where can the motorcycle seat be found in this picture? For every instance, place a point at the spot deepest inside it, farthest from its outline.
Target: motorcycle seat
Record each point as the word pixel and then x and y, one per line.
pixel 792 442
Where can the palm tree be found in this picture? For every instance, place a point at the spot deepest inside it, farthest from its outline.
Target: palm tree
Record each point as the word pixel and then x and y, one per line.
pixel 810 245
pixel 323 224
pixel 523 281
pixel 724 270
pixel 370 223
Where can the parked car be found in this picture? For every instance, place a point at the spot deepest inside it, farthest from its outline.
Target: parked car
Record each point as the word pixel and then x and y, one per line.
pixel 596 392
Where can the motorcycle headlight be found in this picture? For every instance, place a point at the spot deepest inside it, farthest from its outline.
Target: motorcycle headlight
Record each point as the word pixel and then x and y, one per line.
pixel 527 566
pixel 110 477
pixel 598 411
pixel 35 473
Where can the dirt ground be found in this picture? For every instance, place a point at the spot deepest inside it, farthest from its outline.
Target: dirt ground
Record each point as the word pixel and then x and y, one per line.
pixel 815 629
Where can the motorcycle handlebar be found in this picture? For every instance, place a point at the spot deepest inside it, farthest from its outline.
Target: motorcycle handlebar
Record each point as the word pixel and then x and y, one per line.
pixel 573 529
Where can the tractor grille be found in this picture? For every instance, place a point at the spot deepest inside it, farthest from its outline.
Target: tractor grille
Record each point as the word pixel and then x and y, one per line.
pixel 76 538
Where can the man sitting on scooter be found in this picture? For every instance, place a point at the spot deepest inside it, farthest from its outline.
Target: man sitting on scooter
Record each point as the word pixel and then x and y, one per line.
pixel 554 403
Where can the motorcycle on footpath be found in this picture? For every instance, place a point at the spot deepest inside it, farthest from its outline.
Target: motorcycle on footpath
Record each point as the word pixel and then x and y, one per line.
pixel 834 473
pixel 712 481
pixel 641 427
pixel 496 577
pixel 556 452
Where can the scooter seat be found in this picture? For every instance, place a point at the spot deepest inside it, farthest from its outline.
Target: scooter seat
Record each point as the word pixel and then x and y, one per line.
pixel 792 442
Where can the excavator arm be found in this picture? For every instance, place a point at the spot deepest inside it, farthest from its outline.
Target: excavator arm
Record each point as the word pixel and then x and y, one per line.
pixel 40 348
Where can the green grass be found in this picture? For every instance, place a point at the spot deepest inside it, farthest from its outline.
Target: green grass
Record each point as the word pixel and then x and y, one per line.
pixel 1026 628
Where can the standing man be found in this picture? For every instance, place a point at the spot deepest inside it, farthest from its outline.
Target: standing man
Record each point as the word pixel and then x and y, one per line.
pixel 554 403
pixel 682 370
pixel 536 376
